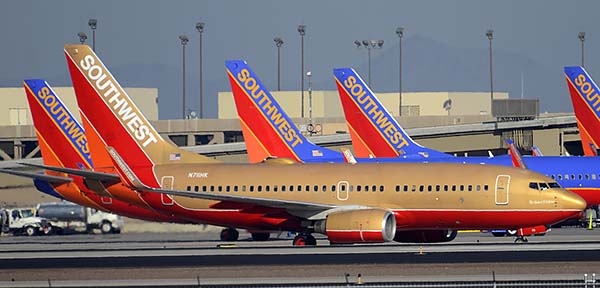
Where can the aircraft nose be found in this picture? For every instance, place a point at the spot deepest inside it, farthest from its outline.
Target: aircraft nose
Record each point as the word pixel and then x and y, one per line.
pixel 572 201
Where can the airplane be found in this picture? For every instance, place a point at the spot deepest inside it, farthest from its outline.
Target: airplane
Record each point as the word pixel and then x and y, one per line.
pixel 377 134
pixel 63 144
pixel 265 129
pixel 584 96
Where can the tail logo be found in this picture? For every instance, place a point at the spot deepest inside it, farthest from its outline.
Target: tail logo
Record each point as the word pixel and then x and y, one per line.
pixel 64 120
pixel 587 89
pixel 119 104
pixel 376 113
pixel 270 110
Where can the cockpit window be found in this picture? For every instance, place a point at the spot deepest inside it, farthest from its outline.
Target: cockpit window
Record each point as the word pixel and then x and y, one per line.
pixel 553 185
pixel 533 185
pixel 543 186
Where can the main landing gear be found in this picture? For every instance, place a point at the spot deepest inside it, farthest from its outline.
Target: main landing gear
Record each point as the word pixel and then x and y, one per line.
pixel 304 239
pixel 229 234
pixel 521 239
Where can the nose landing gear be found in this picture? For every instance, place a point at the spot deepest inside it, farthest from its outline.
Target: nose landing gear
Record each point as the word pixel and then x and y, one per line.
pixel 304 239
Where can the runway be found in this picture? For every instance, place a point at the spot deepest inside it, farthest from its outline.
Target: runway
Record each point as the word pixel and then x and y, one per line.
pixel 564 253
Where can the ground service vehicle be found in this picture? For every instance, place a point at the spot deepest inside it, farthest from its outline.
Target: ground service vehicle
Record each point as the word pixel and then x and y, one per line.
pixel 22 221
pixel 67 216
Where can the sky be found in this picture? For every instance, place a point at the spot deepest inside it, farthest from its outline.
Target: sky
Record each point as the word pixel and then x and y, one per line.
pixel 445 48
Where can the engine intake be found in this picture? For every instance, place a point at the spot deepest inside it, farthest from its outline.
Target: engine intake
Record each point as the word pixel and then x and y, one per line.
pixel 358 226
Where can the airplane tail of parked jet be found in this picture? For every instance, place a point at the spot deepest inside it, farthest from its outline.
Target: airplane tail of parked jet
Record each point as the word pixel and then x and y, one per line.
pixel 267 129
pixel 586 104
pixel 374 131
pixel 99 96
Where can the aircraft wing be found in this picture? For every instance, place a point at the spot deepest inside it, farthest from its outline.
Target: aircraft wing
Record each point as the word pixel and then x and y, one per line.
pixel 39 176
pixel 88 174
pixel 298 208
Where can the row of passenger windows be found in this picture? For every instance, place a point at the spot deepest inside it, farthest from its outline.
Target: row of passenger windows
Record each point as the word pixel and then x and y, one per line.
pixel 342 188
pixel 575 177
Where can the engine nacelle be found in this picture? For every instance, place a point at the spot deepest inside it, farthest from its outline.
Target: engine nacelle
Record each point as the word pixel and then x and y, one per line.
pixel 358 226
pixel 425 236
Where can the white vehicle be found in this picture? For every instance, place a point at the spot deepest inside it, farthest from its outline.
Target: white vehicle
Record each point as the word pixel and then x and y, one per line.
pixel 66 216
pixel 22 221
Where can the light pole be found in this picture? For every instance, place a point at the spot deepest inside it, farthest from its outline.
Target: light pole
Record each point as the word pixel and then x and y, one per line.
pixel 309 74
pixel 82 37
pixel 184 40
pixel 581 37
pixel 369 44
pixel 93 24
pixel 278 43
pixel 490 36
pixel 200 28
pixel 400 33
pixel 302 31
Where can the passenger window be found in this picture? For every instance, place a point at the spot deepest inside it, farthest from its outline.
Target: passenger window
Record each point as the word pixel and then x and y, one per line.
pixel 587 176
pixel 405 188
pixel 533 185
pixel 485 187
pixel 397 188
pixel 196 188
pixel 358 187
pixel 316 188
pixel 299 188
pixel 189 188
pixel 351 188
pixel 470 188
pixel 429 188
pixel 212 188
pixel 227 188
pixel 251 188
pixel 559 177
pixel 593 176
pixel 437 188
pixel 580 176
pixel 259 188
pixel 413 188
pixel 445 188
pixel 572 176
pixel 203 188
pixel 283 188
pixel 274 188
pixel 373 188
pixel 381 188
pixel 552 176
pixel 267 188
pixel 235 188
pixel 343 188
pixel 307 188
pixel 453 188
pixel 366 188
pixel 220 188
pixel 324 188
pixel 462 188
pixel 291 188
pixel 243 188
pixel 421 188
pixel 478 188
pixel 333 188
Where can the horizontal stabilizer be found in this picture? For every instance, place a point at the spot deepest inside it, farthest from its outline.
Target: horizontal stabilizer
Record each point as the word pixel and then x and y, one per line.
pixel 88 174
pixel 39 176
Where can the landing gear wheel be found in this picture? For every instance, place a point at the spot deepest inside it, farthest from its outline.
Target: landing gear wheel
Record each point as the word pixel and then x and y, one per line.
pixel 229 234
pixel 304 240
pixel 261 236
pixel 521 239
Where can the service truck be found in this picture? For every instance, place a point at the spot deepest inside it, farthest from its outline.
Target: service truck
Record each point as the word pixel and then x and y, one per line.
pixel 22 221
pixel 69 217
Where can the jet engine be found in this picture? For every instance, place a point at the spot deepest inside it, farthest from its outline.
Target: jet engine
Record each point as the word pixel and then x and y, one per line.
pixel 358 226
pixel 425 236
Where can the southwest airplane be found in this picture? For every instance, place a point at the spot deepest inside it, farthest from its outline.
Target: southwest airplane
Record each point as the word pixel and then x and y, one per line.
pixel 348 203
pixel 63 144
pixel 269 132
pixel 267 128
pixel 375 133
pixel 586 103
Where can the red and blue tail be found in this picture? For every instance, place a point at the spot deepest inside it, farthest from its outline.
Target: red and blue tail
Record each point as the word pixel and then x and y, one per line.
pixel 268 131
pixel 374 131
pixel 586 104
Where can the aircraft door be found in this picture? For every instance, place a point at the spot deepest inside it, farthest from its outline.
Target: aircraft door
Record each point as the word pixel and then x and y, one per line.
pixel 167 183
pixel 502 189
pixel 342 190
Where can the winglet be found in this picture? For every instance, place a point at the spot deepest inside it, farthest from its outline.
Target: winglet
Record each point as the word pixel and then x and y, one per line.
pixel 536 152
pixel 373 129
pixel 127 175
pixel 515 155
pixel 348 157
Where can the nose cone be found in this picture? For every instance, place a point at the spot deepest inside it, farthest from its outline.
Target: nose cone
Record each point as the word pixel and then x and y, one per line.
pixel 572 201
